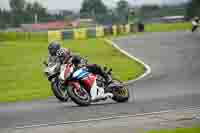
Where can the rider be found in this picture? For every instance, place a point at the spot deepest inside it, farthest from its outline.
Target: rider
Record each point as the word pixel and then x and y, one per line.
pixel 64 55
pixel 52 49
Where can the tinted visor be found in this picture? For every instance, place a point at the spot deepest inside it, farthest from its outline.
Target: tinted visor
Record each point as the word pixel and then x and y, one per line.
pixel 53 52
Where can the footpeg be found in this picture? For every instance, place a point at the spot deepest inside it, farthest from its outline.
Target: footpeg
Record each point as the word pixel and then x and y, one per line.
pixel 108 95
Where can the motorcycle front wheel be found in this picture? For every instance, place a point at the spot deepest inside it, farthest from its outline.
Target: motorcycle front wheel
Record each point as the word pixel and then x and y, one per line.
pixel 60 93
pixel 79 95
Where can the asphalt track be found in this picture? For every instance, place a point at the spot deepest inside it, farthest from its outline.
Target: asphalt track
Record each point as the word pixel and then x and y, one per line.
pixel 174 83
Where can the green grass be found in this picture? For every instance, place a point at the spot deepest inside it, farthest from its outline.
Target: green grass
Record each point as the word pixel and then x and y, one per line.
pixel 31 36
pixel 167 27
pixel 21 67
pixel 179 130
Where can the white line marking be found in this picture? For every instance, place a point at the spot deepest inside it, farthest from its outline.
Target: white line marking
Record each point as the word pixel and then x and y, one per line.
pixel 147 67
pixel 106 118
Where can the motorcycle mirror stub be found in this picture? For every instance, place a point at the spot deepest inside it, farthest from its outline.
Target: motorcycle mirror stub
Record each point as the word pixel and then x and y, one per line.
pixel 45 63
pixel 105 68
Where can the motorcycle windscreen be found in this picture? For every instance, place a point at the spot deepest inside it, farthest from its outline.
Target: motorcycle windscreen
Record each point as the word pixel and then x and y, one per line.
pixel 87 79
pixel 80 74
pixel 65 71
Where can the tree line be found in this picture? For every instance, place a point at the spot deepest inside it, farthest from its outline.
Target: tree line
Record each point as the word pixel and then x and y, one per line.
pixel 23 12
pixel 193 8
pixel 102 14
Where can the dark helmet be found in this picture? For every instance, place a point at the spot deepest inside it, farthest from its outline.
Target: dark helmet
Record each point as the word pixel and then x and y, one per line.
pixel 53 48
pixel 76 60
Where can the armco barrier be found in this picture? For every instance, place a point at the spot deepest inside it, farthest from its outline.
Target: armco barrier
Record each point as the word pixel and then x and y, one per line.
pixel 108 31
pixel 115 31
pixel 100 31
pixel 67 35
pixel 121 29
pixel 133 28
pixel 91 33
pixel 80 33
pixel 127 28
pixel 54 36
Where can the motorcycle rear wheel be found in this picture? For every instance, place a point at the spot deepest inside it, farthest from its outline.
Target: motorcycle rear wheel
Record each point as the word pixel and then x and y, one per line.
pixel 122 95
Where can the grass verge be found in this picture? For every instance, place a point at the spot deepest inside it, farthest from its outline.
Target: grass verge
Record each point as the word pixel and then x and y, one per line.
pixel 21 67
pixel 167 27
pixel 179 130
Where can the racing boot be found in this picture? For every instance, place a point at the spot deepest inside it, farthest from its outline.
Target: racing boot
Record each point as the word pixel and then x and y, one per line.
pixel 97 94
pixel 102 95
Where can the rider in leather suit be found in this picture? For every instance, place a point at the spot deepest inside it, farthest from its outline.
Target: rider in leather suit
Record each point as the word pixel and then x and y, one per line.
pixel 63 55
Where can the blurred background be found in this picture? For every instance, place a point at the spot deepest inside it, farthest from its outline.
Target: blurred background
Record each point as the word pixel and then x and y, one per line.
pixel 44 15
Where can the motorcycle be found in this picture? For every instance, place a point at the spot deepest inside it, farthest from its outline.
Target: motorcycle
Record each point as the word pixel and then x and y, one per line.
pixel 78 84
pixel 51 70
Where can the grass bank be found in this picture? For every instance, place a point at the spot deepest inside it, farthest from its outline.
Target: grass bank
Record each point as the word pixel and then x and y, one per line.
pixel 21 66
pixel 179 130
pixel 167 27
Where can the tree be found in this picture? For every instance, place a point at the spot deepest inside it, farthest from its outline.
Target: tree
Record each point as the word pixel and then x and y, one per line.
pixel 24 12
pixel 193 8
pixel 123 10
pixel 2 24
pixel 33 9
pixel 5 18
pixel 17 5
pixel 38 8
pixel 150 7
pixel 93 8
pixel 17 11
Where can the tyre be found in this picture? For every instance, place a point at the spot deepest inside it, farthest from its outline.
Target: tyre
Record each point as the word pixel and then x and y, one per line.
pixel 79 96
pixel 121 95
pixel 60 94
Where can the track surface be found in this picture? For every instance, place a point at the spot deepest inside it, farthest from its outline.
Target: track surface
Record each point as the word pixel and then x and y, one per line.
pixel 174 83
